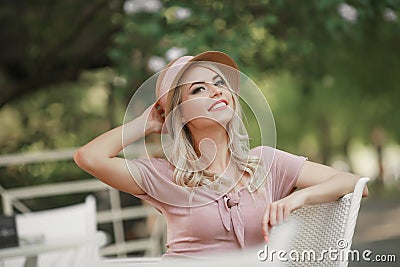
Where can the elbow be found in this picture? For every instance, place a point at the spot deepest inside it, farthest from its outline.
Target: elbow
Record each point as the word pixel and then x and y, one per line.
pixel 83 158
pixel 366 191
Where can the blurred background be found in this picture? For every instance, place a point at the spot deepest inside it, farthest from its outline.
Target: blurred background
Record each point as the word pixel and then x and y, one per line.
pixel 329 69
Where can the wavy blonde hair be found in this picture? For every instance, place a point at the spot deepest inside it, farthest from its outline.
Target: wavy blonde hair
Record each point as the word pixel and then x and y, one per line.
pixel 188 171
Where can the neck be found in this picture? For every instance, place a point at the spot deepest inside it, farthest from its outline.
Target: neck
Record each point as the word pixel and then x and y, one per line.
pixel 213 144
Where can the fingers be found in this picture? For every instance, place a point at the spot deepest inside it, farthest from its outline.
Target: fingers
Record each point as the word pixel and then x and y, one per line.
pixel 160 111
pixel 279 213
pixel 154 119
pixel 275 213
pixel 265 223
pixel 286 213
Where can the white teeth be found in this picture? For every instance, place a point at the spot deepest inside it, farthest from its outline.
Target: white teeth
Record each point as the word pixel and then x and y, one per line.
pixel 219 105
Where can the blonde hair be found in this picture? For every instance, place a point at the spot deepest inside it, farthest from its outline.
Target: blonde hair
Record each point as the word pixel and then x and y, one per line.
pixel 187 171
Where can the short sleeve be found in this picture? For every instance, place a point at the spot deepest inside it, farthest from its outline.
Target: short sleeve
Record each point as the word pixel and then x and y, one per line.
pixel 153 176
pixel 285 170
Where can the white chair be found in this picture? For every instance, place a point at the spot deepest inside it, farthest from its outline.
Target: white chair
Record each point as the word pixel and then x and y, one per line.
pixel 314 230
pixel 64 236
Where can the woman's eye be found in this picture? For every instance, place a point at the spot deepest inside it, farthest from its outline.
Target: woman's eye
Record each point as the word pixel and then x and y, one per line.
pixel 219 83
pixel 197 90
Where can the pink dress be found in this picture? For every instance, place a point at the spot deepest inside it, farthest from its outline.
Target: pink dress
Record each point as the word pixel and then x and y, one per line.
pixel 214 226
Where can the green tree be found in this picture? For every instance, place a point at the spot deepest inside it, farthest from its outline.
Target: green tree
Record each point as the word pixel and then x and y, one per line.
pixel 49 42
pixel 331 77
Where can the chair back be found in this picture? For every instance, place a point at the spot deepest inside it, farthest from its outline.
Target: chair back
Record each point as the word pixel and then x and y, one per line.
pixel 72 229
pixel 320 234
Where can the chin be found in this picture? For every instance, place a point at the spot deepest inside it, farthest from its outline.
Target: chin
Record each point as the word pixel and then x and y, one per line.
pixel 205 123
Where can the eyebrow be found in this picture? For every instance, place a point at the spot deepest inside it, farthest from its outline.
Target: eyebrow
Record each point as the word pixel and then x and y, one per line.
pixel 214 78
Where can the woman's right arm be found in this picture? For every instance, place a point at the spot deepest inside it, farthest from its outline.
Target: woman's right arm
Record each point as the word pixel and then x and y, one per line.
pixel 99 156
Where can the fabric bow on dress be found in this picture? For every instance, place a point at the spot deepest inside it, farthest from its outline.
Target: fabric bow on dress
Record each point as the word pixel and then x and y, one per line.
pixel 231 213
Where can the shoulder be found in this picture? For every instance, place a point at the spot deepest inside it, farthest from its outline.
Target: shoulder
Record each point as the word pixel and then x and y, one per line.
pixel 154 166
pixel 261 149
pixel 265 153
pixel 272 155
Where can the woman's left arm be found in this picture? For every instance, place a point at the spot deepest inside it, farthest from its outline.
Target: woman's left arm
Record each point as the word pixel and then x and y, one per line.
pixel 318 184
pixel 322 184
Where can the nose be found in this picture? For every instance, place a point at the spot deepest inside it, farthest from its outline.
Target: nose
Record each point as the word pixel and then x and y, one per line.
pixel 214 90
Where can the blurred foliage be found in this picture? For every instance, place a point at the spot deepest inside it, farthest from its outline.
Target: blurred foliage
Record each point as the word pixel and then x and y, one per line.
pixel 343 66
pixel 48 42
pixel 329 69
pixel 52 118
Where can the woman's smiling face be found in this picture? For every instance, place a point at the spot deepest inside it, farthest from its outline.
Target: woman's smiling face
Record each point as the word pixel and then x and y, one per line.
pixel 205 98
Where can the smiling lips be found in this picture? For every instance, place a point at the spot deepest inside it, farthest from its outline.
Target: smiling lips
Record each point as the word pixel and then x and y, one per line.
pixel 219 105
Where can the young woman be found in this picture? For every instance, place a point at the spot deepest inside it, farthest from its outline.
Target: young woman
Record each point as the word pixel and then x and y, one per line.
pixel 215 193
